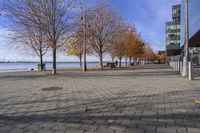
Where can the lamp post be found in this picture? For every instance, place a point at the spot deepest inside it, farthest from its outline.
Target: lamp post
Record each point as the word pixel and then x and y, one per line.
pixel 85 43
pixel 1 7
pixel 85 39
pixel 186 47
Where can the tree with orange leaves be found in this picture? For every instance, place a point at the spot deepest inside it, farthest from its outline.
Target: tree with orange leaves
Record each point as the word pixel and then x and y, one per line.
pixel 162 58
pixel 130 39
pixel 149 54
pixel 134 44
pixel 74 47
pixel 118 46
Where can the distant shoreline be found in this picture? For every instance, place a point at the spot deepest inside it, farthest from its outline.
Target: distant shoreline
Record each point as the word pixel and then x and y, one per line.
pixel 52 62
pixel 49 62
pixel 38 62
pixel 28 66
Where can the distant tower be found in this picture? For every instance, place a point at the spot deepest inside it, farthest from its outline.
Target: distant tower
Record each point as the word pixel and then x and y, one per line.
pixel 173 31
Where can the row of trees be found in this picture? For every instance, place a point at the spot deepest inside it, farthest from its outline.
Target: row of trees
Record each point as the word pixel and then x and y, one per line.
pixel 108 33
pixel 52 25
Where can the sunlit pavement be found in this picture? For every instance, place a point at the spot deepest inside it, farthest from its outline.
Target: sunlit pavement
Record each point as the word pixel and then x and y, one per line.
pixel 147 100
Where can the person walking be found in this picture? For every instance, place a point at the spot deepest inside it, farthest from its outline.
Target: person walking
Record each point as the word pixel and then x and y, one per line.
pixel 116 63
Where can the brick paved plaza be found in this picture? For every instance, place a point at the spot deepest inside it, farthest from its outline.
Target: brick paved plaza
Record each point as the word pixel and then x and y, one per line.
pixel 147 100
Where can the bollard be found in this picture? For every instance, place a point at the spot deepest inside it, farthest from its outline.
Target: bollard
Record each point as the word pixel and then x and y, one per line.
pixel 185 67
pixel 190 67
pixel 181 67
pixel 176 67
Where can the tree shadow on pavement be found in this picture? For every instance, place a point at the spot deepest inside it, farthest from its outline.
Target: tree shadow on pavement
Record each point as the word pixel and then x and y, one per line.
pixel 122 113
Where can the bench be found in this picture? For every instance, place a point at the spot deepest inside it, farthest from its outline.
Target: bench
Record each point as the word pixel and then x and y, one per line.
pixel 110 65
pixel 43 67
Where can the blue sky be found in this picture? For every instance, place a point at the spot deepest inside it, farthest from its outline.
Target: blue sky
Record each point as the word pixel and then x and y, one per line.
pixel 149 17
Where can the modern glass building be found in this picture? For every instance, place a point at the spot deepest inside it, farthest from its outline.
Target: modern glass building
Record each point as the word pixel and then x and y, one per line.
pixel 173 31
pixel 194 23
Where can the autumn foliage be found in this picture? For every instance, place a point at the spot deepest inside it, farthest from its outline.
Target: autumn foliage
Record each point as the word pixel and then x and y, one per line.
pixel 149 54
pixel 109 33
pixel 162 58
pixel 130 45
pixel 74 46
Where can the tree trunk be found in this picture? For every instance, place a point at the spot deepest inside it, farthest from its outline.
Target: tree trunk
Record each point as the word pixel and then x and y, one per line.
pixel 113 58
pixel 54 32
pixel 120 62
pixel 139 61
pixel 101 60
pixel 130 60
pixel 80 59
pixel 126 61
pixel 41 61
pixel 54 61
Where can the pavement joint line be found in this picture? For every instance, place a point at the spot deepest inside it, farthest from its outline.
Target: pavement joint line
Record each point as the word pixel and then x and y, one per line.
pixel 158 100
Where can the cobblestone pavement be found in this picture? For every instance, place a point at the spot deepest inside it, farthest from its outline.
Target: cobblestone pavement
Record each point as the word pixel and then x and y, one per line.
pixel 153 99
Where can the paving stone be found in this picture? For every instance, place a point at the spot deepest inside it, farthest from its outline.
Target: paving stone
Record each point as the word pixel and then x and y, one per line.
pixel 166 130
pixel 59 127
pixel 118 128
pixel 75 131
pixel 193 130
pixel 89 128
pixel 6 128
pixel 33 128
pixel 133 130
pixel 45 130
pixel 21 125
pixel 59 132
pixel 147 99
pixel 104 130
pixel 17 130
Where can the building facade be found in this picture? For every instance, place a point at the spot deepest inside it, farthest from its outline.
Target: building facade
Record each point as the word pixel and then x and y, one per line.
pixel 173 31
pixel 194 23
pixel 175 59
pixel 194 28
